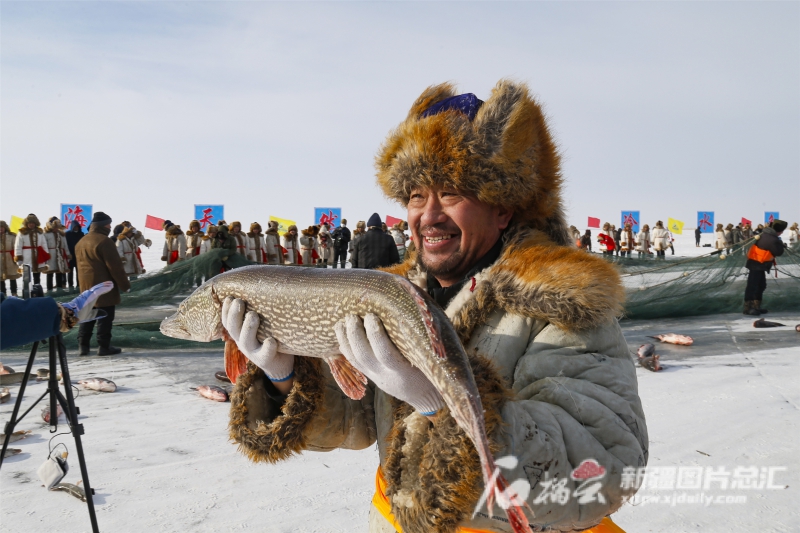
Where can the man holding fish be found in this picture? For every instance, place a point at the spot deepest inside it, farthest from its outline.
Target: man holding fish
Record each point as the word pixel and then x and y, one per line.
pixel 555 384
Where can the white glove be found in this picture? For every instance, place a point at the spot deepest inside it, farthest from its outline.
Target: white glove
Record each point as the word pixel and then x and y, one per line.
pixel 243 329
pixel 368 348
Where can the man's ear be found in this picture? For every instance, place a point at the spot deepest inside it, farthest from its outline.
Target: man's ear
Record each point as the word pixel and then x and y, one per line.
pixel 504 215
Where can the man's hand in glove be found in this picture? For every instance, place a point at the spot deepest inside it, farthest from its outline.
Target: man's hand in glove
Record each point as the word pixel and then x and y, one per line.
pixel 242 327
pixel 82 307
pixel 368 348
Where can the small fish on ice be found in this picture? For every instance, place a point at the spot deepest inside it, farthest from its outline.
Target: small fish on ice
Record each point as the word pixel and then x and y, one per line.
pixel 212 392
pixel 98 384
pixel 674 338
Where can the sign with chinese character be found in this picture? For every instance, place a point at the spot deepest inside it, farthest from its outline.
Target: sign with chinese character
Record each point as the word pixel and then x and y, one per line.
pixel 705 221
pixel 632 218
pixel 209 215
pixel 331 216
pixel 80 213
pixel 771 216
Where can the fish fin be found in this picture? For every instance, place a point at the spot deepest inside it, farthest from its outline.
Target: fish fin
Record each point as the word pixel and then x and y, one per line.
pixel 235 360
pixel 349 378
pixel 511 503
pixel 430 325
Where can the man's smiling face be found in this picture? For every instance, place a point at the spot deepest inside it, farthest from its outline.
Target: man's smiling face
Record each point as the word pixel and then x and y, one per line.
pixel 453 230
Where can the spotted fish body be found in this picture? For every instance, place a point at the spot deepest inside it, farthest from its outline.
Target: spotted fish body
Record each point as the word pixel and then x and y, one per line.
pixel 299 307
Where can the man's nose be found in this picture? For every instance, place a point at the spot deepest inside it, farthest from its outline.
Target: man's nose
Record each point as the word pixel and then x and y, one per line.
pixel 433 213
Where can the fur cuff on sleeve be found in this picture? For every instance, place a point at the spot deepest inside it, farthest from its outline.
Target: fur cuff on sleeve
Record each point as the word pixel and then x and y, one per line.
pixel 433 472
pixel 266 432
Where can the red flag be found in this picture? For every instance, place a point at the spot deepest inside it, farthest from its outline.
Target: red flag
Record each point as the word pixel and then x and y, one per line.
pixel 391 221
pixel 594 222
pixel 745 221
pixel 154 223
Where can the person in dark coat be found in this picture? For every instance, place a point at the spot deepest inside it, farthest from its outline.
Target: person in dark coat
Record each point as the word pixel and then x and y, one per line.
pixel 375 249
pixel 341 242
pixel 98 261
pixel 697 233
pixel 760 259
pixel 74 234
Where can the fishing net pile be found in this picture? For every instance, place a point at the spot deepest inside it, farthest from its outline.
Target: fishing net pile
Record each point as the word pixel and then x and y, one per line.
pixel 709 284
pixel 675 287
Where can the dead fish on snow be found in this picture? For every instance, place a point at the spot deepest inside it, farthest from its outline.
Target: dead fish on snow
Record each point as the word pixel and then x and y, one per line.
pixel 17 435
pixel 98 384
pixel 74 490
pixel 212 392
pixel 10 452
pixel 290 300
pixel 761 323
pixel 674 338
pixel 46 413
pixel 6 369
pixel 650 363
pixel 222 376
pixel 5 395
pixel 645 350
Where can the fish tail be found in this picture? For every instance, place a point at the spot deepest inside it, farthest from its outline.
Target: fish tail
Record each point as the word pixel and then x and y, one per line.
pixel 512 504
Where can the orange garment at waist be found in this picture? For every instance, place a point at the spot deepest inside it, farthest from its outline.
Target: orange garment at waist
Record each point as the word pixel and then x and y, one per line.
pixel 381 503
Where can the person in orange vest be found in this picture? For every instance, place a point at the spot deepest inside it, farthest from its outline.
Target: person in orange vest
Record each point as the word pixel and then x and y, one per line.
pixel 760 259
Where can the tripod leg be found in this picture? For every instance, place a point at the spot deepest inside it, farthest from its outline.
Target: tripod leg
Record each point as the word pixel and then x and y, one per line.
pixel 12 423
pixel 77 429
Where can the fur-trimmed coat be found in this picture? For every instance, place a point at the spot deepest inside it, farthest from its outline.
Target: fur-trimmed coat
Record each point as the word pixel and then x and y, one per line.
pixel 325 245
pixel 660 238
pixel 194 240
pixel 256 248
pixel 128 249
pixel 175 242
pixel 308 244
pixel 643 242
pixel 59 250
pixel 241 242
pixel 26 249
pixel 8 267
pixel 273 243
pixel 292 247
pixel 400 240
pixel 206 243
pixel 557 382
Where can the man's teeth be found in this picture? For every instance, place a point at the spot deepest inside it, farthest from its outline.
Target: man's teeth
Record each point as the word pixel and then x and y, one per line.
pixel 438 239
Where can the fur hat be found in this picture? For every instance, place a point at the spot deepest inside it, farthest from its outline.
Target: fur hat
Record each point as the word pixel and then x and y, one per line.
pixel 255 226
pixel 32 218
pixel 273 224
pixel 234 224
pixel 779 225
pixel 505 155
pixel 6 228
pixel 194 223
pixel 126 232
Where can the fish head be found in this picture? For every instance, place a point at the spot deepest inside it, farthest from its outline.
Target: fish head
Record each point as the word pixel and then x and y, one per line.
pixel 199 317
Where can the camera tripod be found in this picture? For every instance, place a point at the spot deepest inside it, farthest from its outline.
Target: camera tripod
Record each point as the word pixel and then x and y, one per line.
pixel 67 403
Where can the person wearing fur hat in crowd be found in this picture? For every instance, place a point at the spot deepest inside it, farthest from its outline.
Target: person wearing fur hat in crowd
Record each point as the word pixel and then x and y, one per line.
pixel 643 242
pixel 58 264
pixel 324 246
pixel 721 242
pixel 576 235
pixel 174 243
pixel 256 247
pixel 272 241
pixel 794 235
pixel 74 235
pixel 481 182
pixel 8 267
pixel 626 241
pixel 399 236
pixel 606 240
pixel 236 233
pixel 194 238
pixel 31 247
pixel 128 243
pixel 660 240
pixel 207 241
pixel 307 246
pixel 98 262
pixel 291 246
pixel 361 229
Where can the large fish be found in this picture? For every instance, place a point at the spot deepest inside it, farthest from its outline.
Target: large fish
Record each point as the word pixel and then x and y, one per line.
pixel 299 307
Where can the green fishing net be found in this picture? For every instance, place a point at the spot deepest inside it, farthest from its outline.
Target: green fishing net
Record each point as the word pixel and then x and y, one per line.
pixel 674 287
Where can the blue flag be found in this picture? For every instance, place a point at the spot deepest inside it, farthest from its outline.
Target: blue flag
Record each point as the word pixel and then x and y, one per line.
pixel 705 221
pixel 209 215
pixel 632 218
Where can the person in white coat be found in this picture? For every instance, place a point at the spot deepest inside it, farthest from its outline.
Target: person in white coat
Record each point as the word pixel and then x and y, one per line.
pixel 272 240
pixel 307 246
pixel 290 244
pixel 721 242
pixel 399 236
pixel 207 242
pixel 256 247
pixel 174 244
pixel 324 246
pixel 128 243
pixel 794 235
pixel 236 233
pixel 660 240
pixel 643 241
pixel 8 268
pixel 194 238
pixel 58 264
pixel 31 247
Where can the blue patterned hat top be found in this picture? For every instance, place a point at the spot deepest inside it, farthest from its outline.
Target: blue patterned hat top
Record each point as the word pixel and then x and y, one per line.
pixel 467 103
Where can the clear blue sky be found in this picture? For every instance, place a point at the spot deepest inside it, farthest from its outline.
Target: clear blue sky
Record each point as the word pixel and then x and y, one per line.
pixel 275 108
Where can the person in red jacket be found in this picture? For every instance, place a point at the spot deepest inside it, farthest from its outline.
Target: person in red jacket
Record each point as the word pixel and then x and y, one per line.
pixel 606 240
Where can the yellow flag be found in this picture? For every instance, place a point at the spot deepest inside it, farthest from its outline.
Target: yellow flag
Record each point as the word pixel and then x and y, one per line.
pixel 16 223
pixel 283 224
pixel 675 226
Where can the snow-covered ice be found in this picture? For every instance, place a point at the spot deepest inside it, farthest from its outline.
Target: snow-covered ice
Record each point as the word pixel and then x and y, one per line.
pixel 159 457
